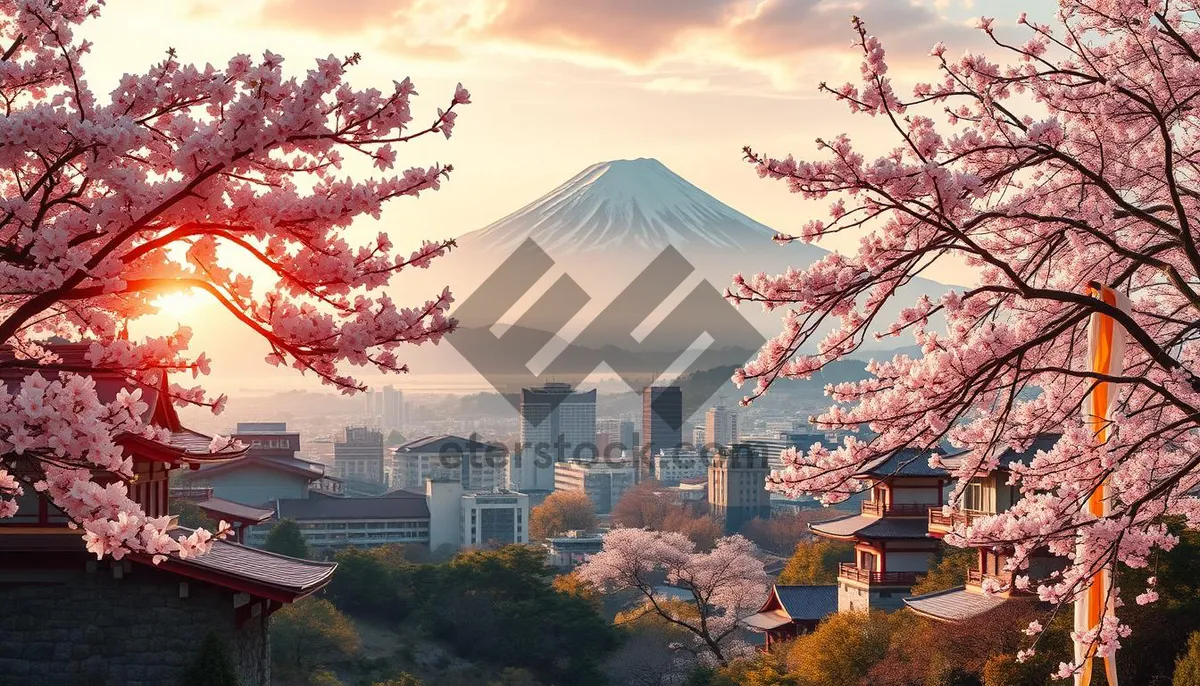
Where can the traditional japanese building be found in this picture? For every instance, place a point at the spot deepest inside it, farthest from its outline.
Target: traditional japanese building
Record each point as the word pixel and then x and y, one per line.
pixel 791 611
pixel 72 619
pixel 983 496
pixel 891 548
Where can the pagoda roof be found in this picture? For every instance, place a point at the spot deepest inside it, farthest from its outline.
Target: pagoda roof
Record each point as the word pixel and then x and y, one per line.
pixel 250 570
pixel 235 511
pixel 183 446
pixel 1009 456
pixel 787 604
pixel 907 462
pixel 954 605
pixel 860 526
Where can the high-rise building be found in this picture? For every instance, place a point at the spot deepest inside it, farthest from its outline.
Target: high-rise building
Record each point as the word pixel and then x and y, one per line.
pixel 359 456
pixel 557 424
pixel 662 425
pixel 720 427
pixel 392 418
pixel 737 486
pixel 699 435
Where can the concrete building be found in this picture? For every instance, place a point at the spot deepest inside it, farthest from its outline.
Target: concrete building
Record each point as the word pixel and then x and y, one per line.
pixel 720 427
pixel 604 483
pixel 737 489
pixel 673 466
pixel 572 548
pixel 358 457
pixel 478 466
pixel 662 425
pixel 459 519
pixel 699 436
pixel 330 522
pixel 557 424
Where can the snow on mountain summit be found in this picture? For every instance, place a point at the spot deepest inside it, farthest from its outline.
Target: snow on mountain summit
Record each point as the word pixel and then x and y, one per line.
pixel 624 203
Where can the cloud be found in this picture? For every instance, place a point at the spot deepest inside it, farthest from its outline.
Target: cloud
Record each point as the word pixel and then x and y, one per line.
pixel 778 38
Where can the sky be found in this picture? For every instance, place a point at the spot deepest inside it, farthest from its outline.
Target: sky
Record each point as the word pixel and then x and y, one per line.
pixel 558 85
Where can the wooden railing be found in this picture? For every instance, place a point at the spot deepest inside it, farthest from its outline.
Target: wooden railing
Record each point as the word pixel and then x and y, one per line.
pixel 848 570
pixel 976 578
pixel 956 517
pixel 876 508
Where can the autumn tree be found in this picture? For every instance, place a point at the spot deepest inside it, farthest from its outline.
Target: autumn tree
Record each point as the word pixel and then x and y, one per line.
pixel 645 506
pixel 1187 667
pixel 560 512
pixel 309 633
pixel 721 586
pixel 843 648
pixel 815 563
pixel 1060 167
pixel 948 571
pixel 184 179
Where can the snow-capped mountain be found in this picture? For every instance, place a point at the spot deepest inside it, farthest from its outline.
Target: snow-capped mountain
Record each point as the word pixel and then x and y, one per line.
pixel 623 204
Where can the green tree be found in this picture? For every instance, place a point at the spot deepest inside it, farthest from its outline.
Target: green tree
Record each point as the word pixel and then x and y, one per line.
pixel 815 563
pixel 494 604
pixel 560 512
pixel 1187 666
pixel 949 571
pixel 191 516
pixel 285 538
pixel 396 438
pixel 309 633
pixel 404 679
pixel 212 665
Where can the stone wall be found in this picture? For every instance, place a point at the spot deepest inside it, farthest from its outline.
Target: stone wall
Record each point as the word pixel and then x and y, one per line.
pixel 84 626
pixel 858 598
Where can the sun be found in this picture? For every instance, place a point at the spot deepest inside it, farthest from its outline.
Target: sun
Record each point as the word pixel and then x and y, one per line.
pixel 177 302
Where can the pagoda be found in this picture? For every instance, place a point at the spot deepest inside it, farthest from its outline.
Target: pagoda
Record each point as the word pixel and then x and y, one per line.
pixel 71 618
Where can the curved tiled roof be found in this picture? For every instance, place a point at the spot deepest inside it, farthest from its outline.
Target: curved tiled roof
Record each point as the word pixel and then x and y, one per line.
pixel 808 603
pixel 249 570
pixel 954 605
pixel 233 510
pixel 906 462
pixel 860 526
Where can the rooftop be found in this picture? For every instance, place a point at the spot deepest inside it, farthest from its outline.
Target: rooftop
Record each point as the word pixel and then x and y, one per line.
pixel 808 602
pixel 445 444
pixel 395 505
pixel 906 462
pixel 953 605
pixel 235 511
pixel 294 577
pixel 859 526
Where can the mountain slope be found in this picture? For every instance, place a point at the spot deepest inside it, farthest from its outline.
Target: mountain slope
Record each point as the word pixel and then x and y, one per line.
pixel 623 204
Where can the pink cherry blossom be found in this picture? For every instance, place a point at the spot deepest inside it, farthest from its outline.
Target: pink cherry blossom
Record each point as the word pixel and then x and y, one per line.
pixel 1044 166
pixel 185 178
pixel 725 585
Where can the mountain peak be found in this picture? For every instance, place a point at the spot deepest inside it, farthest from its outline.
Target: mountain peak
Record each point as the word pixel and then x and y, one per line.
pixel 624 203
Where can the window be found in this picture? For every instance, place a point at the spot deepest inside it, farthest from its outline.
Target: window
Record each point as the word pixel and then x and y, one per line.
pixel 974 497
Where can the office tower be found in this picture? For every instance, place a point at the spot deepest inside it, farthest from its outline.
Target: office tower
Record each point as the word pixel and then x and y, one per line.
pixel 392 418
pixel 557 424
pixel 662 424
pixel 699 437
pixel 720 427
pixel 737 486
pixel 603 483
